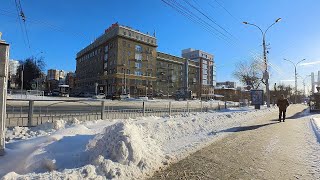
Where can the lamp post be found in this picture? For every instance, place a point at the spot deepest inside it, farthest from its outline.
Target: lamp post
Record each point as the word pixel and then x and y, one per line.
pixel 295 78
pixel 36 65
pixel 265 74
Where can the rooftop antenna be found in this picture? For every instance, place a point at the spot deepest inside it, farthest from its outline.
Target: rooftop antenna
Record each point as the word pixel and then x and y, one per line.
pixel 154 33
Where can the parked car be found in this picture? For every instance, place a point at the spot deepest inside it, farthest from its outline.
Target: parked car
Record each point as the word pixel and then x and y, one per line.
pixel 99 96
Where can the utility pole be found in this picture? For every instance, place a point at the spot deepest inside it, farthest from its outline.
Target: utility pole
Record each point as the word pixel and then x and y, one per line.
pixel 266 73
pixel 4 59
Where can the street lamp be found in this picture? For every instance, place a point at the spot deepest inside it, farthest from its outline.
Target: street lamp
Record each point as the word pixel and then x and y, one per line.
pixel 265 74
pixel 37 80
pixel 295 77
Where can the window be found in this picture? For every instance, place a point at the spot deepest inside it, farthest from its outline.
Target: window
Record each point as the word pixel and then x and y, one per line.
pixel 138 73
pixel 124 33
pixel 106 48
pixel 138 48
pixel 105 57
pixel 130 34
pixel 138 65
pixel 138 57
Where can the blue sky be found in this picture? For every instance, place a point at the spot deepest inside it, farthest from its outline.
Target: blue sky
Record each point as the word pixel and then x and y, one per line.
pixel 61 28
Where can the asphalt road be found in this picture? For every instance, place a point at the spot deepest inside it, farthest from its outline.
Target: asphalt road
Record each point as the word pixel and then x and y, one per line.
pixel 264 149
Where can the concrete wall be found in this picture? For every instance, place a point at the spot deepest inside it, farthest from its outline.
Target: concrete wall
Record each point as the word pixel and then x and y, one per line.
pixel 4 60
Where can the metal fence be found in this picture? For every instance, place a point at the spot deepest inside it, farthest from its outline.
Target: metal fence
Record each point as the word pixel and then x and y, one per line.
pixel 35 112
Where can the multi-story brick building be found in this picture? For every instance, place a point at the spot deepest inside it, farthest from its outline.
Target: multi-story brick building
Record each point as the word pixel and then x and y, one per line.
pixel 121 61
pixel 125 61
pixel 175 74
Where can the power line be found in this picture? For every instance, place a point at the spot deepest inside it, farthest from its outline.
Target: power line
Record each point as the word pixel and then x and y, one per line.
pixel 196 19
pixel 210 19
pixel 23 18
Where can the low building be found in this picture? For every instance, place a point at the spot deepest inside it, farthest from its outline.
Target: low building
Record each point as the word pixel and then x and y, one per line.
pixel 226 84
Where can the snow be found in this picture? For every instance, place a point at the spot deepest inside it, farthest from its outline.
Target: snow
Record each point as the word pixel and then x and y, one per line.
pixel 315 122
pixel 114 149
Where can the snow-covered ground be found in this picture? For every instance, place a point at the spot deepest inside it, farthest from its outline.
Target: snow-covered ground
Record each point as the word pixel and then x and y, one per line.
pixel 115 149
pixel 315 122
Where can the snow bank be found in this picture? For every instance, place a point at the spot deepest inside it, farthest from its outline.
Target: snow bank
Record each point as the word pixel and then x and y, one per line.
pixel 123 150
pixel 315 122
pixel 21 133
pixel 117 149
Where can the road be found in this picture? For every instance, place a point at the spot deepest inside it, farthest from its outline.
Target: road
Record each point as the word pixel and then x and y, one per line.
pixel 264 149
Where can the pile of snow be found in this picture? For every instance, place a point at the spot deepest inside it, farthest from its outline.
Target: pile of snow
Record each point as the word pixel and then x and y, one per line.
pixel 122 150
pixel 20 133
pixel 315 121
pixel 117 149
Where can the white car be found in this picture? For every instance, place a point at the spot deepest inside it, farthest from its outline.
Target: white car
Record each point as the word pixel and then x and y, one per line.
pixel 99 96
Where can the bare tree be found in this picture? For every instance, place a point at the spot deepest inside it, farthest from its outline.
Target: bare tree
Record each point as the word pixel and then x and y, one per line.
pixel 249 73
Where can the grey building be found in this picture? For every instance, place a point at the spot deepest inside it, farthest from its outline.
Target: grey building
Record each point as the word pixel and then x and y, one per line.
pixel 207 72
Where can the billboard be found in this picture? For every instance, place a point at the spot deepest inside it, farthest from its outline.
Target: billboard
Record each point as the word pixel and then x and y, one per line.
pixel 256 97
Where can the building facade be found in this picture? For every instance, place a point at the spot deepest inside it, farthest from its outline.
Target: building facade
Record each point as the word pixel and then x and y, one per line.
pixel 55 74
pixel 226 84
pixel 125 61
pixel 207 72
pixel 120 61
pixel 176 75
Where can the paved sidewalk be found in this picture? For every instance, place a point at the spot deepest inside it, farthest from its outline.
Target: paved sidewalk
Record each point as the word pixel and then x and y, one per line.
pixel 265 149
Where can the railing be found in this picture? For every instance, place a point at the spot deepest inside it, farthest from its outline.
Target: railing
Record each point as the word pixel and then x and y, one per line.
pixel 35 112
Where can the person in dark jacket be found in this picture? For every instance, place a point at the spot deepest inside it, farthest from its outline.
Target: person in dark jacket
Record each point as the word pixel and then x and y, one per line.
pixel 282 103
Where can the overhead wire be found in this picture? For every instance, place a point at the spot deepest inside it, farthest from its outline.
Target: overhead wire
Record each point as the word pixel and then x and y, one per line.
pixel 184 11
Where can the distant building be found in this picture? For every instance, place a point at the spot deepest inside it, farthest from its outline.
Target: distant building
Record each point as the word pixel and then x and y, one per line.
pixel 226 84
pixel 122 60
pixel 207 73
pixel 175 74
pixel 71 80
pixel 54 78
pixel 13 69
pixel 55 74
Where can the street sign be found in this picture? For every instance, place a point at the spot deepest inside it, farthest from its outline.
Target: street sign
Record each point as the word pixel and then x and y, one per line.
pixel 256 97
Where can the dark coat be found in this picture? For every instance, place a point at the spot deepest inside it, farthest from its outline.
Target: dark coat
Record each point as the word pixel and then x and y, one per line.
pixel 283 104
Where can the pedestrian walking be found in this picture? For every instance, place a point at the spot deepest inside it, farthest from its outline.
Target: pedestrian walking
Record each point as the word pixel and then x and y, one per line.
pixel 282 103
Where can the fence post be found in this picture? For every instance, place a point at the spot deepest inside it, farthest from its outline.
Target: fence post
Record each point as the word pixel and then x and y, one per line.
pixel 144 108
pixel 218 106
pixel 102 109
pixel 188 109
pixel 170 108
pixel 30 112
pixel 201 105
pixel 225 105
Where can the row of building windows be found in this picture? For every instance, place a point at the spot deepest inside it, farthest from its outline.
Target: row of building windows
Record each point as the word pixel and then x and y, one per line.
pixel 138 37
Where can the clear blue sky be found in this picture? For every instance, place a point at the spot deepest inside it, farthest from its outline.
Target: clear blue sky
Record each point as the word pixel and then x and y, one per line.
pixel 61 28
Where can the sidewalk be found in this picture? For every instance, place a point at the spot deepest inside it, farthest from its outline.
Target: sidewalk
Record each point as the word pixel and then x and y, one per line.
pixel 265 149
